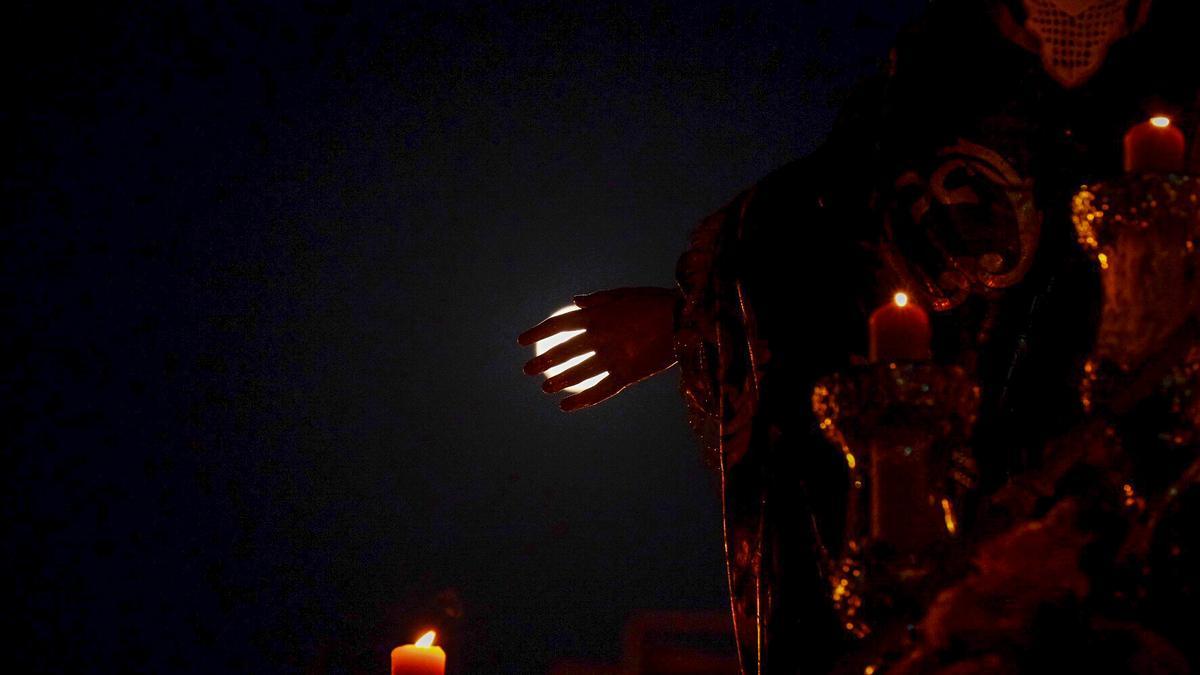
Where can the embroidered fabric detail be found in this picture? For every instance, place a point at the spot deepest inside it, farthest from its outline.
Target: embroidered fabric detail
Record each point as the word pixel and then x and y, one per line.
pixel 1075 36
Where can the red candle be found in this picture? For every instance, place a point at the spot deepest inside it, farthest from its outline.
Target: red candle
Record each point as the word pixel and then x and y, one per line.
pixel 422 658
pixel 899 332
pixel 1154 146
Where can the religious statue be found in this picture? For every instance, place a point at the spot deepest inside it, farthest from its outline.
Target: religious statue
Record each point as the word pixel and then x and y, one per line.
pixel 955 176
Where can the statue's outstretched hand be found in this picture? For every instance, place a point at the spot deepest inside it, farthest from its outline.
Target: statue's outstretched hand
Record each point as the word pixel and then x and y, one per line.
pixel 631 330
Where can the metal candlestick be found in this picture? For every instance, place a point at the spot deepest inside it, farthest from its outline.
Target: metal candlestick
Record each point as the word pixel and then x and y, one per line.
pixel 899 427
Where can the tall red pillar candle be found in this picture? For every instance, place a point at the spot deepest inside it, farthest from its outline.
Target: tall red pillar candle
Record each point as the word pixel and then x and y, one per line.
pixel 899 332
pixel 422 658
pixel 1154 146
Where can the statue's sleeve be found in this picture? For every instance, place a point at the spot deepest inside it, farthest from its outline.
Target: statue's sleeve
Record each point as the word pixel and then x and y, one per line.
pixel 711 341
pixel 803 226
pixel 749 339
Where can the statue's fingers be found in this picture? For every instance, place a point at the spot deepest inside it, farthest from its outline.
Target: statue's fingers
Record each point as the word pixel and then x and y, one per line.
pixel 574 375
pixel 604 390
pixel 559 354
pixel 552 326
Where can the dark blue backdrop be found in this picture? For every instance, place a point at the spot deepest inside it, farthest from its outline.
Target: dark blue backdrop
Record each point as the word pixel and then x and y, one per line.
pixel 264 267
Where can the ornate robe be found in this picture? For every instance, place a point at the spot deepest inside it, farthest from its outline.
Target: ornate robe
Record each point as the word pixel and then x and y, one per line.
pixel 949 176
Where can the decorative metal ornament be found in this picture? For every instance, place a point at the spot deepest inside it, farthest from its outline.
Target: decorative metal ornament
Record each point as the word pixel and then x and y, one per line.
pixel 1142 231
pixel 973 221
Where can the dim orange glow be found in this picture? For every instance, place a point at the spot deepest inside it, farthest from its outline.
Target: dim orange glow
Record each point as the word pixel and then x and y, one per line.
pixel 427 639
pixel 1160 121
pixel 901 299
pixel 948 512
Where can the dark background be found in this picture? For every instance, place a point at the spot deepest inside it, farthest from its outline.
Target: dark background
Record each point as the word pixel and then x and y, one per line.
pixel 264 267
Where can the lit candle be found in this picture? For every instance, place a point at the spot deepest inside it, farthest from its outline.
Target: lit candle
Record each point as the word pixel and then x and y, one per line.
pixel 422 658
pixel 899 332
pixel 1154 146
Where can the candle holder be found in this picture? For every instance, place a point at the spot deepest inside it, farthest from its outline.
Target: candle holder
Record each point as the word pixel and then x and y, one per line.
pixel 900 427
pixel 1141 385
pixel 1142 231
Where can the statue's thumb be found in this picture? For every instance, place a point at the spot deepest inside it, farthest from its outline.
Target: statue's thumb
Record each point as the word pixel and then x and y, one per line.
pixel 593 299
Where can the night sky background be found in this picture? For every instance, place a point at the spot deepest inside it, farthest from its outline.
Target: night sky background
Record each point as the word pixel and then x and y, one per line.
pixel 264 269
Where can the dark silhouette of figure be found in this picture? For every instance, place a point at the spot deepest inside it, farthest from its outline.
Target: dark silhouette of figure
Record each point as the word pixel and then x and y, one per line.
pixel 949 176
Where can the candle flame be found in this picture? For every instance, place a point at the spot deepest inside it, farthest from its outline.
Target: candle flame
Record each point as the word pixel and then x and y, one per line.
pixel 1161 121
pixel 426 640
pixel 901 299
